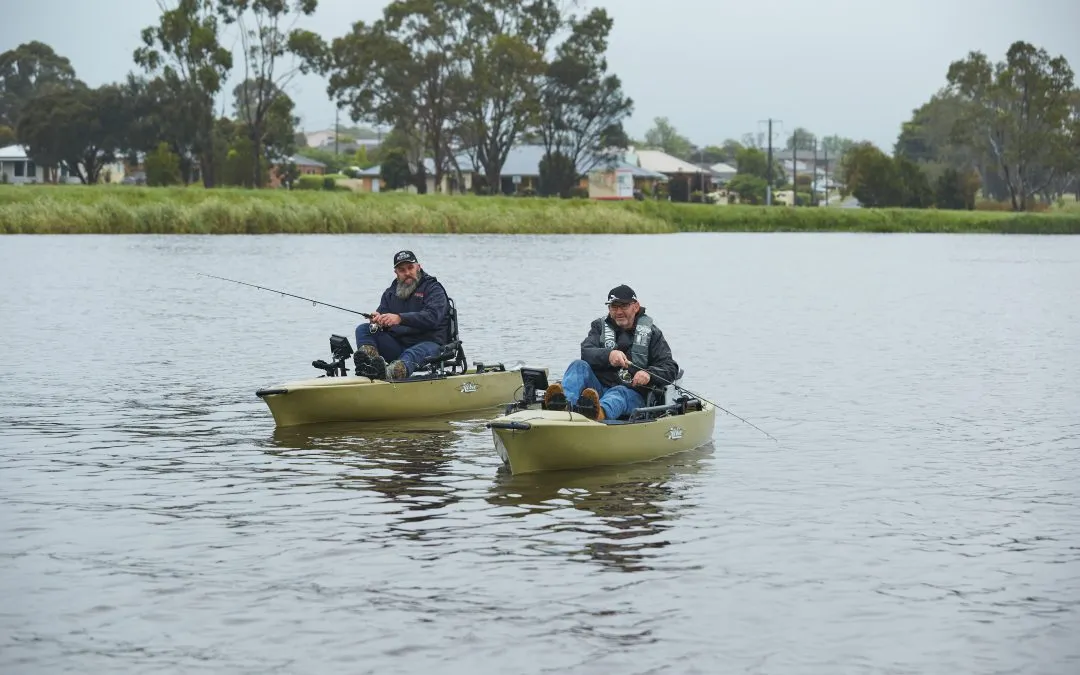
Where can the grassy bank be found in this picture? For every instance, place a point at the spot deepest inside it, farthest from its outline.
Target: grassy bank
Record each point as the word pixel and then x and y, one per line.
pixel 126 209
pixel 701 218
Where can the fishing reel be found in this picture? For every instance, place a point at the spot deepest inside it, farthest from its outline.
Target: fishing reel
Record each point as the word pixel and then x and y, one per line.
pixel 626 377
pixel 374 328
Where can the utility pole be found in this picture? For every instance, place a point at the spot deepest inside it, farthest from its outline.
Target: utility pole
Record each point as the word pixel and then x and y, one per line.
pixel 813 181
pixel 769 166
pixel 794 169
pixel 768 170
pixel 701 159
pixel 337 128
pixel 826 147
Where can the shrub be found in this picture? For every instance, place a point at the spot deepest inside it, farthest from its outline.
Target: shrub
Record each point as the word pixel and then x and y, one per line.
pixel 309 182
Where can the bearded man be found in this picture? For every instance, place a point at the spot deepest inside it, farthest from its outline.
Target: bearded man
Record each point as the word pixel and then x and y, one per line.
pixel 623 339
pixel 410 326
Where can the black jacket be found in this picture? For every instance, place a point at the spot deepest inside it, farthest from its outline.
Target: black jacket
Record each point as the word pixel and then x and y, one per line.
pixel 425 315
pixel 660 364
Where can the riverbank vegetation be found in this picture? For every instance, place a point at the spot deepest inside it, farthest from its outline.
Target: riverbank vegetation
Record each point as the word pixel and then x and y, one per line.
pixel 194 210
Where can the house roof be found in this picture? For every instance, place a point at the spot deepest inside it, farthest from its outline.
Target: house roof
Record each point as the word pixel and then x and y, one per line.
pixel 657 160
pixel 376 171
pixel 13 152
pixel 799 166
pixel 524 160
pixel 300 160
pixel 722 168
pixel 639 172
pixel 801 155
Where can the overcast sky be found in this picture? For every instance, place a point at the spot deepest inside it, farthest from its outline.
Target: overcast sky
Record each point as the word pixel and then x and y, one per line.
pixel 715 68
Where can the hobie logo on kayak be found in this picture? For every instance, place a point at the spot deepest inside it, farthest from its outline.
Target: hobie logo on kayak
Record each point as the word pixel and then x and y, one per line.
pixel 468 388
pixel 674 433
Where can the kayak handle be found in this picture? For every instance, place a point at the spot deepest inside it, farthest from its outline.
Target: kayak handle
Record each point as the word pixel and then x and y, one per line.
pixel 269 392
pixel 516 426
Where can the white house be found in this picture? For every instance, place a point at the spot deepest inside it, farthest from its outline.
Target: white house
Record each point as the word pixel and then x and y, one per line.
pixel 317 139
pixel 16 167
pixel 723 172
pixel 661 162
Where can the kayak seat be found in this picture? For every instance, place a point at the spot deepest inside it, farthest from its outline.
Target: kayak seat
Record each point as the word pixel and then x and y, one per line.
pixel 451 358
pixel 662 392
pixel 658 399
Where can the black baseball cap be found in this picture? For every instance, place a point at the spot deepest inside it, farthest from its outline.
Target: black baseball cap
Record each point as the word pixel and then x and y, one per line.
pixel 404 257
pixel 620 295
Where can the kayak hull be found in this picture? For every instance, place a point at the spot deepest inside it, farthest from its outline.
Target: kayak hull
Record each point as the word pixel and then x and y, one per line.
pixel 535 440
pixel 360 399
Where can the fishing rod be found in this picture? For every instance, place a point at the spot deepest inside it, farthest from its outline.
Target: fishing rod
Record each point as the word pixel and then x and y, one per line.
pixel 314 302
pixel 699 396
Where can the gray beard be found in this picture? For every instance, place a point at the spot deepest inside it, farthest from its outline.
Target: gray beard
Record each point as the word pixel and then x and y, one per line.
pixel 403 291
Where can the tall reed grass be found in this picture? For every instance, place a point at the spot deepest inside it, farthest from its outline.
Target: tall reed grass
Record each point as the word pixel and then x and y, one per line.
pixel 124 209
pixel 703 218
pixel 194 210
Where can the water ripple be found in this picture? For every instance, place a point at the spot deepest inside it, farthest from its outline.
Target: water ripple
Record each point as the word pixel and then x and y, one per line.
pixel 919 515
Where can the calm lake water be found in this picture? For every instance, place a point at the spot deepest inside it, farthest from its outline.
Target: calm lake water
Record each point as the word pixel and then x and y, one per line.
pixel 920 513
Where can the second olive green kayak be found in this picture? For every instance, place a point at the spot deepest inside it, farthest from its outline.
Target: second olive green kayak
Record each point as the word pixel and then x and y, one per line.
pixel 528 438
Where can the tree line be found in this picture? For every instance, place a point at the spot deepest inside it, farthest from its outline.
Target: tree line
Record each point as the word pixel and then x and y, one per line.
pixel 452 78
pixel 470 79
pixel 165 109
pixel 1012 126
pixel 1010 130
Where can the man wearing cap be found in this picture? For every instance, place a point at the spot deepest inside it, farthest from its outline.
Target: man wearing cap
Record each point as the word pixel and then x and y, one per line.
pixel 627 336
pixel 411 324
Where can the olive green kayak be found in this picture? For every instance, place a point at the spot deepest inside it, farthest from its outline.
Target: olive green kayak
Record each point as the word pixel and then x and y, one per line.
pixel 530 439
pixel 353 398
pixel 443 385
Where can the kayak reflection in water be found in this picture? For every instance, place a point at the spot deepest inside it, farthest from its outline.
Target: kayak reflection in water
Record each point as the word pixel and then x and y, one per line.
pixel 599 385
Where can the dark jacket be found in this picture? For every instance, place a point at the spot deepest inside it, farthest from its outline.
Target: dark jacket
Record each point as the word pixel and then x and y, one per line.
pixel 425 315
pixel 596 354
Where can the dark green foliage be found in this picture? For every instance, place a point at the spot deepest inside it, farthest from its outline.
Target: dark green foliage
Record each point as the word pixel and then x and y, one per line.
pixel 558 175
pixel 162 167
pixel 394 169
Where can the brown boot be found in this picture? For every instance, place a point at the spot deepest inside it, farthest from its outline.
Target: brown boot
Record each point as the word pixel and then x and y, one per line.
pixel 396 370
pixel 554 398
pixel 589 405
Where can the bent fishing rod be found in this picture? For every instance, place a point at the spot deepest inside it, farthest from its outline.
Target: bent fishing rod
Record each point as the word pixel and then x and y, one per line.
pixel 699 396
pixel 272 290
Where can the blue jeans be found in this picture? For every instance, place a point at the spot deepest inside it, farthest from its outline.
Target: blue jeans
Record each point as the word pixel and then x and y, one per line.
pixel 616 401
pixel 390 349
